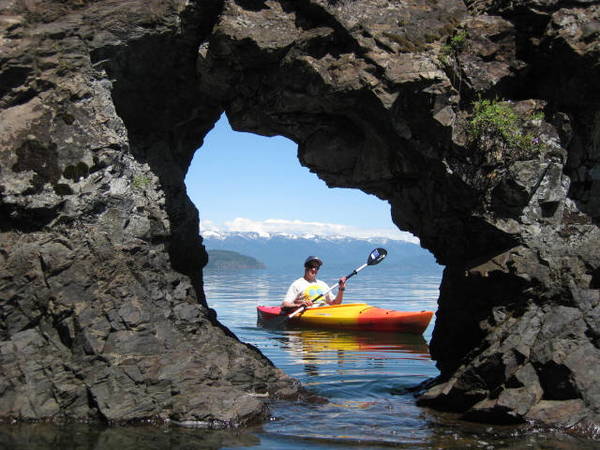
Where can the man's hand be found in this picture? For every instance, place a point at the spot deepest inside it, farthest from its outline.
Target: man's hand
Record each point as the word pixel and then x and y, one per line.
pixel 302 300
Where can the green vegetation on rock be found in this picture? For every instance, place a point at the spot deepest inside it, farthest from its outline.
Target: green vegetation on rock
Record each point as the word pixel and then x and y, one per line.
pixel 141 181
pixel 496 124
pixel 456 42
pixel 453 46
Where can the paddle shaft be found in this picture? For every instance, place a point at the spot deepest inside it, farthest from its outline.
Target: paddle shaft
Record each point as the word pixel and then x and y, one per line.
pixel 354 272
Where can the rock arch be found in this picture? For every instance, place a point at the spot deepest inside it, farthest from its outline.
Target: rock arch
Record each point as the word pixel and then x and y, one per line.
pixel 103 105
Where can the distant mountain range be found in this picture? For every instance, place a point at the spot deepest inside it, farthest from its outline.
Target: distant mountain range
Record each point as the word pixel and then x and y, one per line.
pixel 287 250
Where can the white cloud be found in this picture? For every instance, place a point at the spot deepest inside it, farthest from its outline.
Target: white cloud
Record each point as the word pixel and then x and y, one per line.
pixel 301 228
pixel 208 225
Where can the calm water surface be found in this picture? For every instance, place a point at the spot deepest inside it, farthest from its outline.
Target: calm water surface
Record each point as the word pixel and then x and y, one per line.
pixel 363 376
pixel 359 373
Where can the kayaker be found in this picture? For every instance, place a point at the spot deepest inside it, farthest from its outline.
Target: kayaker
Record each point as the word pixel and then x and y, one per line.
pixel 308 287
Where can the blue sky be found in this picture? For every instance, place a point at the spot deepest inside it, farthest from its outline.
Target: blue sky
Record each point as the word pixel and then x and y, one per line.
pixel 246 182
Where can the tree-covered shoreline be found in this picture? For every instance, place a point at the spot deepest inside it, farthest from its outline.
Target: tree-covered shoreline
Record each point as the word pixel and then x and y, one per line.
pixel 229 260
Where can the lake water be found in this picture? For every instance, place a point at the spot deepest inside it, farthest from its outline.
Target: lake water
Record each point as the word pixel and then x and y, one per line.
pixel 363 376
pixel 357 372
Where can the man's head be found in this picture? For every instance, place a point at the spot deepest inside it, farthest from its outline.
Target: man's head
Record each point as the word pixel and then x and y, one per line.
pixel 311 267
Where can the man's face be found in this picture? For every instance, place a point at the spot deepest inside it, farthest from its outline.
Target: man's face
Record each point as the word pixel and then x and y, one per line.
pixel 311 271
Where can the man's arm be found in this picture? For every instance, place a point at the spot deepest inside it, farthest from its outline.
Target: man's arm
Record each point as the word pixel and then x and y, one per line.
pixel 340 293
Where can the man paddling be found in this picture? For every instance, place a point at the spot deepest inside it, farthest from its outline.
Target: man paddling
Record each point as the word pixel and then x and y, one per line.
pixel 305 289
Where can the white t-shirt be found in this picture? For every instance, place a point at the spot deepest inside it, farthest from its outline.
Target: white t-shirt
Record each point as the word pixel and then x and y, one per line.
pixel 310 289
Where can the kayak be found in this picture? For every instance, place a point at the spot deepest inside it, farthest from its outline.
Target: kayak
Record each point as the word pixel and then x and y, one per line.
pixel 353 316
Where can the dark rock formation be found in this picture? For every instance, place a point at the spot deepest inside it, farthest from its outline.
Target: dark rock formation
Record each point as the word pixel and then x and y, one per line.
pixel 102 314
pixel 478 121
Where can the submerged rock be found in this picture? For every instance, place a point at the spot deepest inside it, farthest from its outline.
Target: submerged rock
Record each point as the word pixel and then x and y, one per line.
pixel 477 121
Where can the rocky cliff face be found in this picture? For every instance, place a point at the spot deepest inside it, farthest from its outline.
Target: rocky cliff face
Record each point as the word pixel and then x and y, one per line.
pixel 102 310
pixel 479 121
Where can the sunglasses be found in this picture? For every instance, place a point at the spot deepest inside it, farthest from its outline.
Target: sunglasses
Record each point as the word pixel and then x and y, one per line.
pixel 312 266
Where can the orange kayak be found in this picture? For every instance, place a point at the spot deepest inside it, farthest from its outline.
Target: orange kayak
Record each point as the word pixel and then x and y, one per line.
pixel 353 316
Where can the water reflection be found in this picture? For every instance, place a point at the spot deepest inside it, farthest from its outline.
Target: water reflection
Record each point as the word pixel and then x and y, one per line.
pixel 345 352
pixel 44 436
pixel 320 346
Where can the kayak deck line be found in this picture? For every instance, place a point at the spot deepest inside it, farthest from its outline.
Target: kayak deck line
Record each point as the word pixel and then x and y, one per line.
pixel 353 316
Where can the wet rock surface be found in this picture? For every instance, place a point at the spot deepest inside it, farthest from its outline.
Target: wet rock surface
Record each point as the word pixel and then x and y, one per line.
pixel 477 121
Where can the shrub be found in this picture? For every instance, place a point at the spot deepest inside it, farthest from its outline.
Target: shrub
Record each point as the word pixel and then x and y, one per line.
pixel 453 45
pixel 458 41
pixel 496 123
pixel 141 181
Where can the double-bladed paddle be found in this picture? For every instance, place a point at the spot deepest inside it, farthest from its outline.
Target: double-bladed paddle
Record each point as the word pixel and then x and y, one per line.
pixel 375 257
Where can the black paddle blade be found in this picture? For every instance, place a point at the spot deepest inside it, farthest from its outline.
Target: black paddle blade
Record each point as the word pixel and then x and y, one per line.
pixel 377 256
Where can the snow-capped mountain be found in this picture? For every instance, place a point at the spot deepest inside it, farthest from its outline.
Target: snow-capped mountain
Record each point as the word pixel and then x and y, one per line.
pixel 284 249
pixel 217 235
